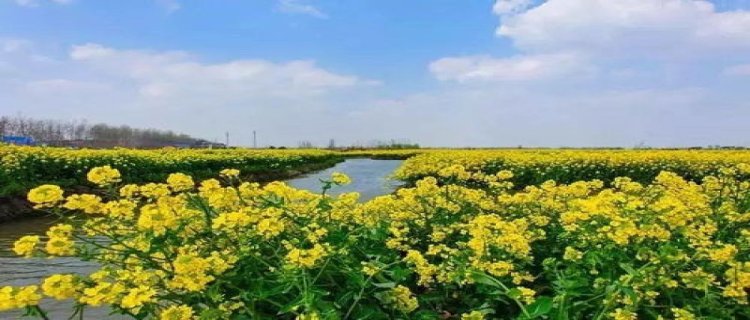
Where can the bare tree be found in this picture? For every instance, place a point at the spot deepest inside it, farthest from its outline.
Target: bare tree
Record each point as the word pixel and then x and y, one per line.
pixel 56 132
pixel 305 144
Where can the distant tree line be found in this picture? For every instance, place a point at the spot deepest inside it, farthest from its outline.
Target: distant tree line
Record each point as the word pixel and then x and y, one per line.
pixel 80 133
pixel 375 144
pixel 381 144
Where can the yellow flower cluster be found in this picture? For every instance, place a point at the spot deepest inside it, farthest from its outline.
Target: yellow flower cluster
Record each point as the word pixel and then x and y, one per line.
pixel 340 178
pixel 103 176
pixel 45 195
pixel 180 312
pixel 458 243
pixel 24 167
pixel 306 258
pixel 230 173
pixel 178 182
pixel 26 245
pixel 60 286
pixel 172 239
pixel 535 166
pixel 136 297
pixel 60 242
pixel 190 272
pixel 20 297
pixel 402 299
pixel 102 292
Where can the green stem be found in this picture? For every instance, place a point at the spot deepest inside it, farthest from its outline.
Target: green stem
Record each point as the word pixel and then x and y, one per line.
pixel 41 312
pixel 520 305
pixel 358 298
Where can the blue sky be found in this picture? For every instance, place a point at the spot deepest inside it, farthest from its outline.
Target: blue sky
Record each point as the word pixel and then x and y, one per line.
pixel 440 73
pixel 386 40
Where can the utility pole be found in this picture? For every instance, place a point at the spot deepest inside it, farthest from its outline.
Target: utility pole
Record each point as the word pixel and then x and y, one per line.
pixel 255 141
pixel 227 136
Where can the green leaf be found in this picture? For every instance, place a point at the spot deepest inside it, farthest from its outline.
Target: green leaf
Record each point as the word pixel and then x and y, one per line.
pixel 426 315
pixel 401 273
pixel 296 303
pixel 345 298
pixel 629 269
pixel 540 307
pixel 388 285
pixel 482 278
pixel 514 293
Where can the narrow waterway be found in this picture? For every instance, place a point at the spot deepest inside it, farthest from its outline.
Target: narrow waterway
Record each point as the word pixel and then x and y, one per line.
pixel 369 177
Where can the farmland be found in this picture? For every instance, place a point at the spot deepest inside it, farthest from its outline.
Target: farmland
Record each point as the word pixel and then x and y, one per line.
pixel 26 167
pixel 535 166
pixel 475 234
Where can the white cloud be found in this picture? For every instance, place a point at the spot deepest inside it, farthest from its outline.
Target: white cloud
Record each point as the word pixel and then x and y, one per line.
pixel 504 7
pixel 298 7
pixel 556 38
pixel 64 86
pixel 666 29
pixel 518 68
pixel 9 45
pixel 89 51
pixel 591 73
pixel 158 74
pixel 738 70
pixel 509 116
pixel 284 101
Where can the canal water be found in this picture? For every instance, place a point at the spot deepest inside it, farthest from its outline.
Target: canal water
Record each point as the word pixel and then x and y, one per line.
pixel 369 177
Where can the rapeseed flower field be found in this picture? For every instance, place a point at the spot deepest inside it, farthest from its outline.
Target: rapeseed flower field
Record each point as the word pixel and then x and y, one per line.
pixel 477 235
pixel 22 168
pixel 535 166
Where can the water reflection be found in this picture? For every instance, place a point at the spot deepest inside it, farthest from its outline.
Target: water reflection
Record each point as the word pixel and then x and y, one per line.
pixel 18 271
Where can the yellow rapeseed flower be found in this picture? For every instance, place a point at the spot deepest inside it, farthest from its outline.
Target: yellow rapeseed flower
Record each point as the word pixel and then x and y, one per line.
pixel 137 297
pixel 103 176
pixel 402 299
pixel 60 286
pixel 20 297
pixel 45 195
pixel 230 173
pixel 340 178
pixel 26 245
pixel 180 182
pixel 306 258
pixel 180 312
pixel 572 254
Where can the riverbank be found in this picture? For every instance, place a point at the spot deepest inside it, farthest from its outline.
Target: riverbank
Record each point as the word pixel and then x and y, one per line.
pixel 14 207
pixel 23 168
